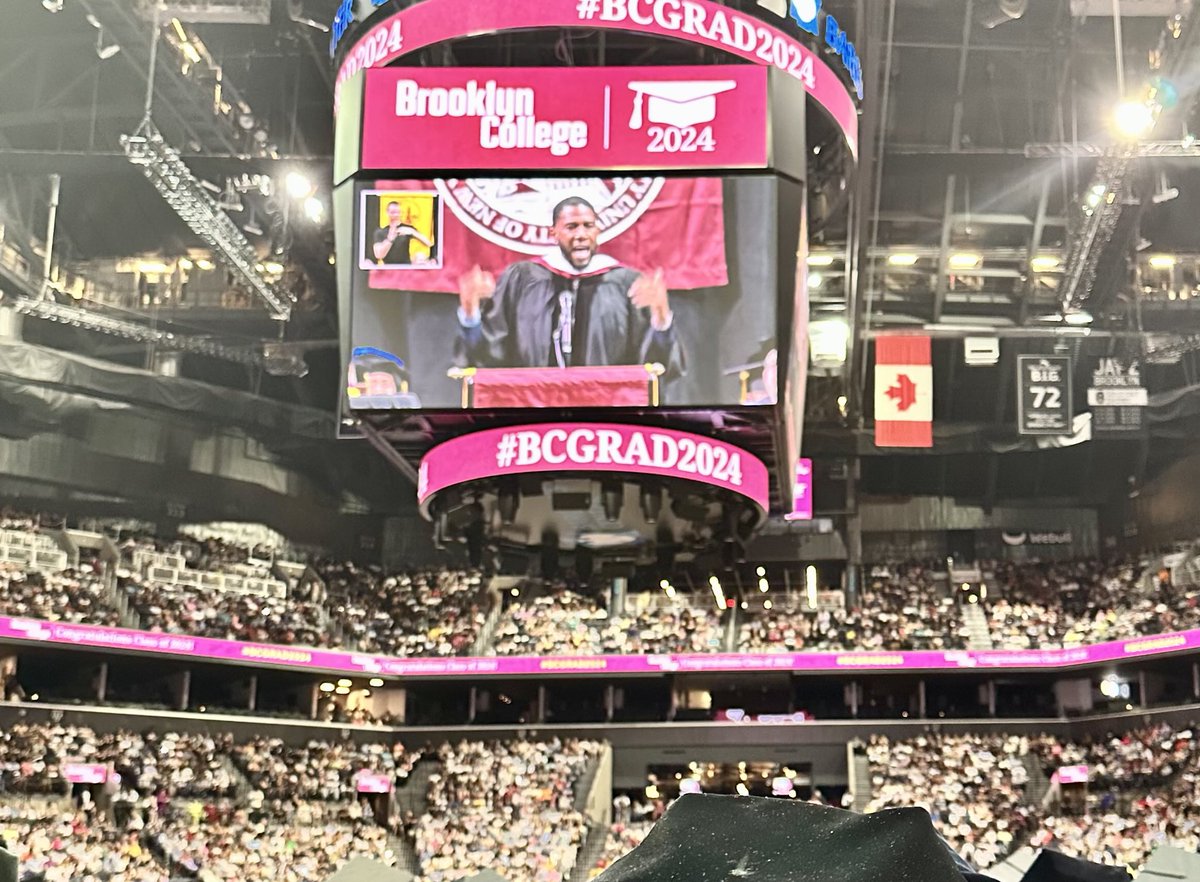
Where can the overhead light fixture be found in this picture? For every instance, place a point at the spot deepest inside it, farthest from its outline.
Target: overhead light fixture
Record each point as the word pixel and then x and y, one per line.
pixel 376 682
pixel 1162 261
pixel 104 52
pixel 997 12
pixel 1045 264
pixel 821 259
pixel 1077 317
pixel 965 260
pixel 902 258
pixel 1164 192
pixel 299 186
pixel 829 343
pixel 1134 120
pixel 314 209
pixel 718 592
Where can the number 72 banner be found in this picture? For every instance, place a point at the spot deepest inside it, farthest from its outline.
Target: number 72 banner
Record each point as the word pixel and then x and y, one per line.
pixel 1044 395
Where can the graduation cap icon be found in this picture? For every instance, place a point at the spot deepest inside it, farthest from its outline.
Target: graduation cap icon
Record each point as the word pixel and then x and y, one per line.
pixel 677 102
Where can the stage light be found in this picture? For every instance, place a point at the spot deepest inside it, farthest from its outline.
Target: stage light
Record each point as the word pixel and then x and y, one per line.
pixel 651 500
pixel 997 12
pixel 760 572
pixel 508 500
pixel 902 258
pixel 206 265
pixel 327 687
pixel 965 260
pixel 1045 264
pixel 273 268
pixel 1134 119
pixel 810 586
pixel 376 682
pixel 299 186
pixel 103 51
pixel 1162 261
pixel 1077 317
pixel 815 281
pixel 314 209
pixel 613 495
pixel 821 259
pixel 828 343
pixel 52 5
pixel 718 592
pixel 1110 687
pixel 764 586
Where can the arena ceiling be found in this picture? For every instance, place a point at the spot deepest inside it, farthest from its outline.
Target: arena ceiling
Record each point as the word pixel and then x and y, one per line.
pixel 940 225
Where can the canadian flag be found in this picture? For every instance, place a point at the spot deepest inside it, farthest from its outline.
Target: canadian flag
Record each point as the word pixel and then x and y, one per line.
pixel 903 392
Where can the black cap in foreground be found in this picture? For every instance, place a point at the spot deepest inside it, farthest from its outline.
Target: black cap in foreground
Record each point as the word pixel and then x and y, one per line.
pixel 708 838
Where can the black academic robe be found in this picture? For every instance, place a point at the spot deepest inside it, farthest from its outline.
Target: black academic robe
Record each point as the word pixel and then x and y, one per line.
pixel 518 321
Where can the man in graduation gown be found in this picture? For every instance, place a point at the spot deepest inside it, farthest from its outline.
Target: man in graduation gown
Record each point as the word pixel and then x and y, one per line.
pixel 571 308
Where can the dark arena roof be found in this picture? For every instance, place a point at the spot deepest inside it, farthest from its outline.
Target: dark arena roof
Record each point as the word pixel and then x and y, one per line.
pixel 899 508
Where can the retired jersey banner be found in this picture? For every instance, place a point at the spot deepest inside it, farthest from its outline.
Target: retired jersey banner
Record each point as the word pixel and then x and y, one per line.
pixel 903 392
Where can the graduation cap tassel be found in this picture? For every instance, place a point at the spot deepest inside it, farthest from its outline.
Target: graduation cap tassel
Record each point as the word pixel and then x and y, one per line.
pixel 635 121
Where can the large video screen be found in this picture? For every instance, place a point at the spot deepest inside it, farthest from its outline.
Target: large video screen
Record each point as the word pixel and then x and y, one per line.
pixel 564 292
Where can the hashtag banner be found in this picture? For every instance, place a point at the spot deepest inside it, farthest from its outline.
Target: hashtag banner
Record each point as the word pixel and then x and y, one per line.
pixel 903 391
pixel 594 449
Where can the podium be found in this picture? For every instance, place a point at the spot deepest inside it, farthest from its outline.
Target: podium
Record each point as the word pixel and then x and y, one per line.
pixel 616 386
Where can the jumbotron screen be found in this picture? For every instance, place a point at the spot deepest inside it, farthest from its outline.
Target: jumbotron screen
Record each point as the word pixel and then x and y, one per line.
pixel 564 292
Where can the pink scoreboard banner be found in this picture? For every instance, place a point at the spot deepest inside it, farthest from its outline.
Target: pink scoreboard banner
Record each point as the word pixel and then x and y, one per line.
pixel 324 660
pixel 591 448
pixel 566 118
pixel 696 21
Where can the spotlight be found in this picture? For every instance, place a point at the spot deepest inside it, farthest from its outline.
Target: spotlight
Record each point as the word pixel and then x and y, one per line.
pixel 1134 119
pixel 314 209
pixel 299 186
pixel 998 12
pixel 651 503
pixel 613 495
pixel 52 5
pixel 105 52
pixel 508 501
